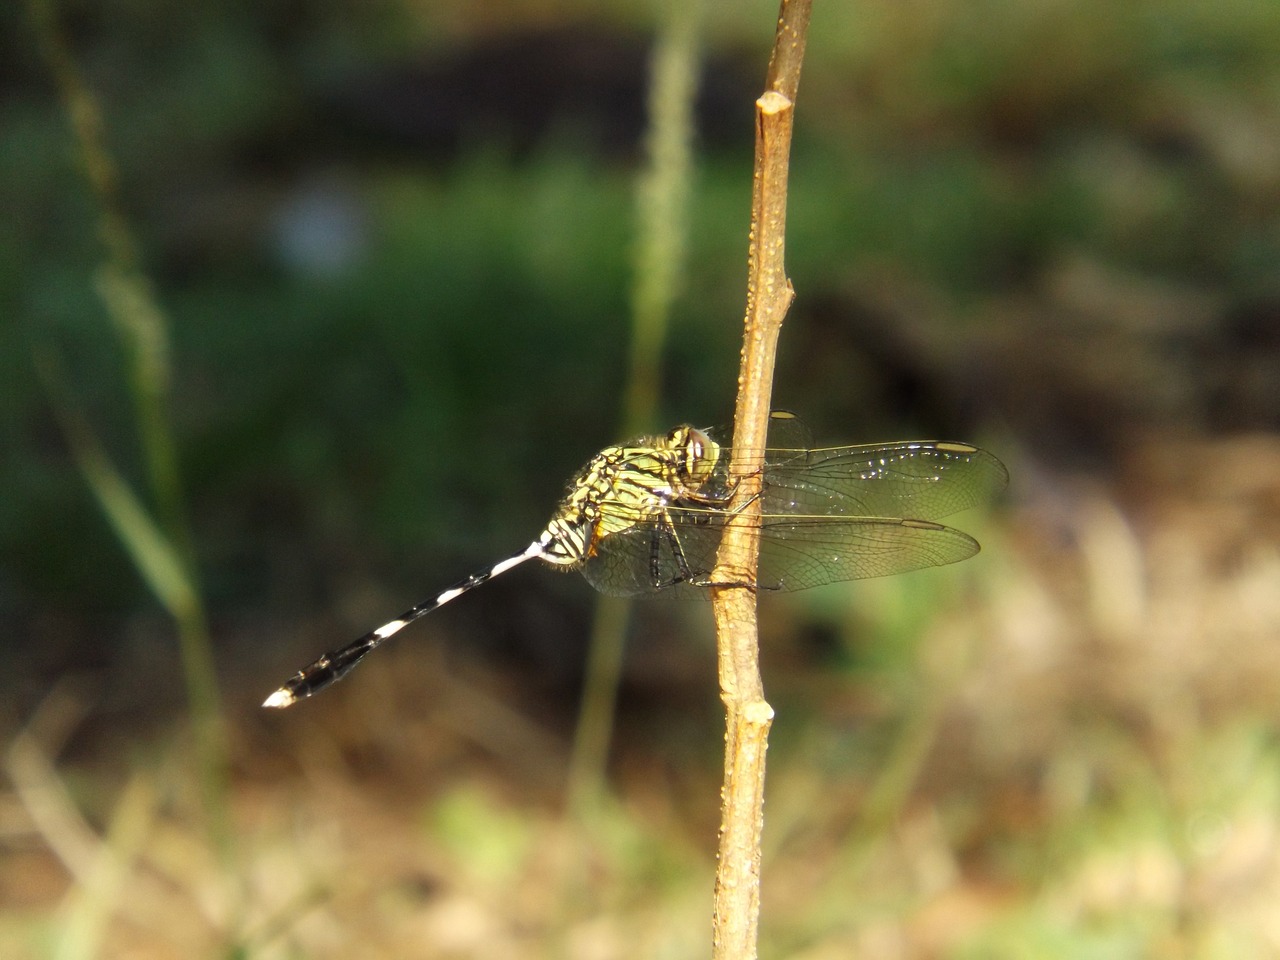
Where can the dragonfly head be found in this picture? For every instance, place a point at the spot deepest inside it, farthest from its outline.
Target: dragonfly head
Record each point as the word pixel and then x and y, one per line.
pixel 696 456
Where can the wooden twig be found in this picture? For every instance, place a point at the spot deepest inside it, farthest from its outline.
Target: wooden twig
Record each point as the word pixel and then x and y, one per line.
pixel 747 714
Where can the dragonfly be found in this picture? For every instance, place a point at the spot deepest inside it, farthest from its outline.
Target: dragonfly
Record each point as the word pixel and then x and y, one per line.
pixel 646 517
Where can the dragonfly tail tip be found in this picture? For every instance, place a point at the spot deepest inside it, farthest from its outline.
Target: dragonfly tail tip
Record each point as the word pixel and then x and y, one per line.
pixel 283 697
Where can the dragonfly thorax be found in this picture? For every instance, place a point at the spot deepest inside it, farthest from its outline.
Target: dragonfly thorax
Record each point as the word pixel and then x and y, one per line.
pixel 623 486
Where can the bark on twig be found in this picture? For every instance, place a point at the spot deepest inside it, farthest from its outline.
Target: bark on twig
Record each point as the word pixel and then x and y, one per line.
pixel 747 714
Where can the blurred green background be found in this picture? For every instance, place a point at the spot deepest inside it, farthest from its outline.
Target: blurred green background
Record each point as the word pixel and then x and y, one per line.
pixel 393 244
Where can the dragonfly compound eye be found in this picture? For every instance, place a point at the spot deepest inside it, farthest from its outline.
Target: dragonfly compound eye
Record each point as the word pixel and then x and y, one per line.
pixel 698 458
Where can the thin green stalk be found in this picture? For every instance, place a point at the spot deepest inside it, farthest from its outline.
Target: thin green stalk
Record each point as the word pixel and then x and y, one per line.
pixel 662 205
pixel 160 547
pixel 661 239
pixel 126 294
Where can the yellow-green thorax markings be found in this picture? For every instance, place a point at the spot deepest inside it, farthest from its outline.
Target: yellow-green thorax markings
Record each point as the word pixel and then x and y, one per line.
pixel 626 485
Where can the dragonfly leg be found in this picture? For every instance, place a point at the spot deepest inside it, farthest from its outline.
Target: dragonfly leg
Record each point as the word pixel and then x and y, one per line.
pixel 666 532
pixel 721 499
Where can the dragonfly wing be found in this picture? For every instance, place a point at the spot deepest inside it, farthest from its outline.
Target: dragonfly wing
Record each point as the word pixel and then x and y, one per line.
pixel 921 481
pixel 676 559
pixel 796 554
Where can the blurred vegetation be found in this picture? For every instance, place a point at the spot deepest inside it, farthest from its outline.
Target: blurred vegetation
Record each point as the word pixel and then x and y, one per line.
pixel 394 244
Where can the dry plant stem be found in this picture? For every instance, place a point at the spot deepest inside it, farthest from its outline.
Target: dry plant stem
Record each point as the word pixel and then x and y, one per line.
pixel 747 714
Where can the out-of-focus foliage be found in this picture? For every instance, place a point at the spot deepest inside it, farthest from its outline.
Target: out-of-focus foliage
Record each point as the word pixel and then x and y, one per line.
pixel 394 282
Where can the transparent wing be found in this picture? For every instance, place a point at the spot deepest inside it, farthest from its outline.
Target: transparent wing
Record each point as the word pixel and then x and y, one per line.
pixel 915 480
pixel 920 480
pixel 796 553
